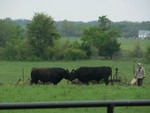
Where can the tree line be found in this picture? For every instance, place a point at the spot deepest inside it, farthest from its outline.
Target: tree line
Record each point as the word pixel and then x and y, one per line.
pixel 67 28
pixel 39 39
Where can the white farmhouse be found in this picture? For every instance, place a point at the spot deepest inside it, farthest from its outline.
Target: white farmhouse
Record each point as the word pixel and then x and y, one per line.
pixel 144 34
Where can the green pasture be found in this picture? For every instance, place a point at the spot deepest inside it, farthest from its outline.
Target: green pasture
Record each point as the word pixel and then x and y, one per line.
pixel 10 72
pixel 12 91
pixel 129 44
pixel 126 44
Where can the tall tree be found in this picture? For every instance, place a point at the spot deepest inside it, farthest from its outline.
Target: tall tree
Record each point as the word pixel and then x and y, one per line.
pixel 9 32
pixel 104 22
pixel 41 34
pixel 11 36
pixel 102 37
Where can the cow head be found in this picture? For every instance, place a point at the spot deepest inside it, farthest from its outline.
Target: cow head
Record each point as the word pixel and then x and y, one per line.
pixel 67 74
pixel 72 75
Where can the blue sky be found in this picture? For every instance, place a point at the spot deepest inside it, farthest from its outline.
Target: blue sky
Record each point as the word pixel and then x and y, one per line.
pixel 77 10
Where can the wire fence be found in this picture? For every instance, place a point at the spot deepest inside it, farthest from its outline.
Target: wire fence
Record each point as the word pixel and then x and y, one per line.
pixel 13 76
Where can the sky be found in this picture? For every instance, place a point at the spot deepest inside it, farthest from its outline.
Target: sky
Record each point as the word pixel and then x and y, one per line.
pixel 77 10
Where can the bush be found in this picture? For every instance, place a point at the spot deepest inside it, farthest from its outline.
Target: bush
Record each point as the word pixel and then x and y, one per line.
pixel 137 52
pixel 74 54
pixel 94 52
pixel 10 52
pixel 147 55
pixel 1 53
pixel 48 53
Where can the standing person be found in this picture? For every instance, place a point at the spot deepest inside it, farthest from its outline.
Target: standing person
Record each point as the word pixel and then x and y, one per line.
pixel 140 74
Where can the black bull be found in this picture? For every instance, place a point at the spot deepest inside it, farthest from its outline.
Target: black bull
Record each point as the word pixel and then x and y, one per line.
pixel 86 74
pixel 52 75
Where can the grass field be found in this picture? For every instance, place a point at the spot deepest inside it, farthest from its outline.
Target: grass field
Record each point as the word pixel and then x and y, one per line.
pixel 10 72
pixel 129 44
pixel 126 44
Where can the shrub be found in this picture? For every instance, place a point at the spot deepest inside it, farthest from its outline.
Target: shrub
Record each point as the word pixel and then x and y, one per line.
pixel 74 54
pixel 94 52
pixel 147 55
pixel 137 52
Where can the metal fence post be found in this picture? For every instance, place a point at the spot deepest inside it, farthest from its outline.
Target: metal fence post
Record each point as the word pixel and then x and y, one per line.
pixel 110 109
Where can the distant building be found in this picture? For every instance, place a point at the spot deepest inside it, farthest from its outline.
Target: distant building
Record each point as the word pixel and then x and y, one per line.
pixel 144 34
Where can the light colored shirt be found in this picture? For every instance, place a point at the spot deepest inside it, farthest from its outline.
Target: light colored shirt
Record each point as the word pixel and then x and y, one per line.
pixel 140 72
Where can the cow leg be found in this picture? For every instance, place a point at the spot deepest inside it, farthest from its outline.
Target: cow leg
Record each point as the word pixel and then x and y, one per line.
pixel 87 83
pixel 34 82
pixel 97 81
pixel 106 81
pixel 55 83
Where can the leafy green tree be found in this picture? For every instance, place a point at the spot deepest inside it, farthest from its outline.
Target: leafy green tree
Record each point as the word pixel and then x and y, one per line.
pixel 4 32
pixel 102 37
pixel 109 48
pixel 92 37
pixel 104 22
pixel 11 35
pixel 41 34
pixel 9 32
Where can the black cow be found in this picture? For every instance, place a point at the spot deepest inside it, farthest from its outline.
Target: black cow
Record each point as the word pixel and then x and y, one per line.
pixel 53 75
pixel 86 74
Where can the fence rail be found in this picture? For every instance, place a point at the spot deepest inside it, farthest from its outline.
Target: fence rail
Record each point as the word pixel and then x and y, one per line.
pixel 75 104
